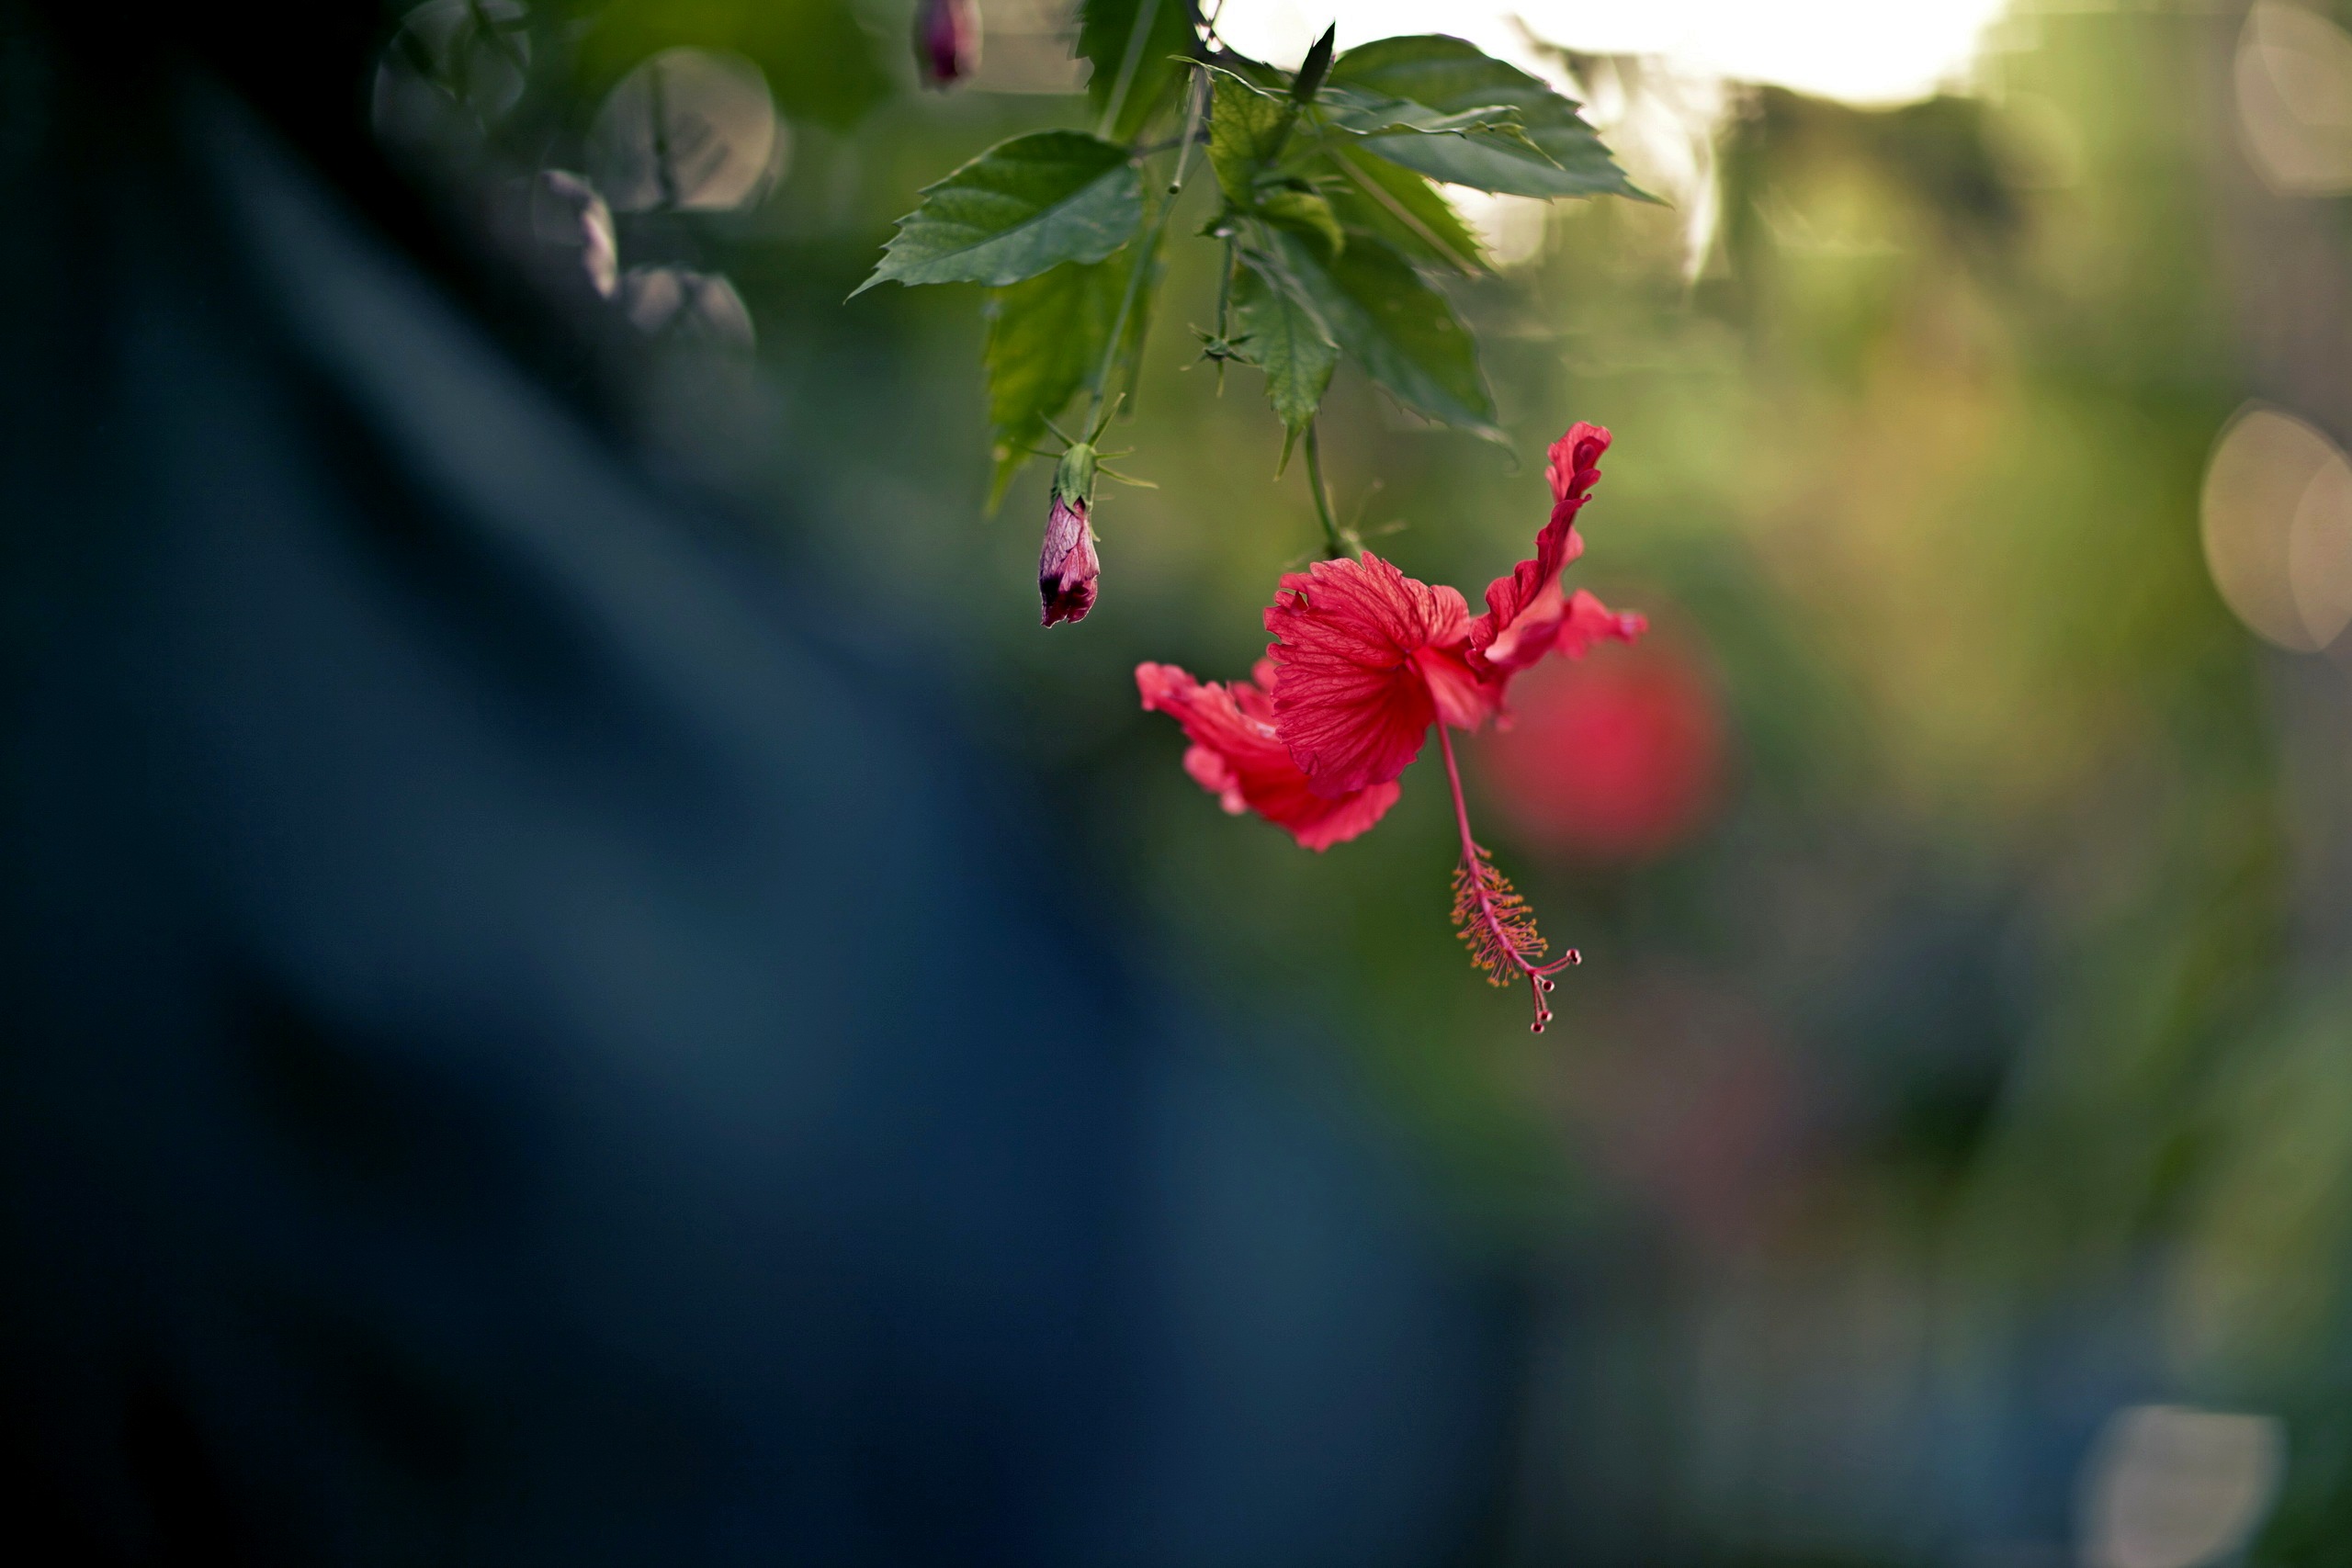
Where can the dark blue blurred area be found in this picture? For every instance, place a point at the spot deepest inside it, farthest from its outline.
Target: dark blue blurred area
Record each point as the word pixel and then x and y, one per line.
pixel 520 1048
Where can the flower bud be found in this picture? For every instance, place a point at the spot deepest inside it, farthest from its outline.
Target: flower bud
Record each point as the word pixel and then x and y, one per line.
pixel 1066 565
pixel 948 41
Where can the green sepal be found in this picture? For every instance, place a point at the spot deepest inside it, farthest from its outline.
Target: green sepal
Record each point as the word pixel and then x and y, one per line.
pixel 1074 475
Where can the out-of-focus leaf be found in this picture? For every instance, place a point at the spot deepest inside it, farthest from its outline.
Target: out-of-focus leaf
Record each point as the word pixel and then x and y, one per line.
pixel 1552 154
pixel 1047 339
pixel 1398 327
pixel 1019 207
pixel 1134 44
pixel 1281 333
pixel 1304 212
pixel 1247 129
pixel 1402 208
pixel 818 61
pixel 1127 371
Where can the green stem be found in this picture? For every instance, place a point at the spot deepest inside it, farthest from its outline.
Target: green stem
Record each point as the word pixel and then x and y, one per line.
pixel 1335 542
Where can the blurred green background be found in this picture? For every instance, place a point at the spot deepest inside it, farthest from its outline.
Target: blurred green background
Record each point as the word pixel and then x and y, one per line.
pixel 1945 1152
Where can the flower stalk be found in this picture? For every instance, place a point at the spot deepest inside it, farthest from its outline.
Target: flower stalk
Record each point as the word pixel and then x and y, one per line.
pixel 1337 543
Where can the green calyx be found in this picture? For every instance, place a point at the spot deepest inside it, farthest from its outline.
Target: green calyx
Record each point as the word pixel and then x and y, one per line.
pixel 1081 461
pixel 1074 475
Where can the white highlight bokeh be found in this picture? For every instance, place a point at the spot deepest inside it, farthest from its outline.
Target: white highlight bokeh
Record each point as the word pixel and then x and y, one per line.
pixel 2277 520
pixel 1862 50
pixel 2294 88
pixel 2168 1486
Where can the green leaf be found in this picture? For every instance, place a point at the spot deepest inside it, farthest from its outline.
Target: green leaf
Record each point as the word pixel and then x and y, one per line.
pixel 1133 44
pixel 1247 129
pixel 819 62
pixel 1398 327
pixel 1128 369
pixel 1373 114
pixel 1304 212
pixel 1402 208
pixel 1284 336
pixel 1019 207
pixel 1552 153
pixel 1046 338
pixel 1500 159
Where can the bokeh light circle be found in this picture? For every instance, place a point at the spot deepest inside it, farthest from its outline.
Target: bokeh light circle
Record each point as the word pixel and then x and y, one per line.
pixel 2293 77
pixel 2276 521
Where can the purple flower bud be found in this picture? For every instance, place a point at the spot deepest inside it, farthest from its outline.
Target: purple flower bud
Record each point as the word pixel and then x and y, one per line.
pixel 1067 567
pixel 948 41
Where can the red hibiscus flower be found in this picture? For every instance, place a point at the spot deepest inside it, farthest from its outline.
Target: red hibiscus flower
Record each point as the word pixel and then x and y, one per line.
pixel 1364 661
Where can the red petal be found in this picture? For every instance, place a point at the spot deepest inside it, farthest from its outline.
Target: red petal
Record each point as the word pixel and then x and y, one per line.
pixel 1590 621
pixel 1353 705
pixel 1525 609
pixel 1237 757
pixel 1067 567
pixel 1519 638
pixel 1575 460
pixel 1463 697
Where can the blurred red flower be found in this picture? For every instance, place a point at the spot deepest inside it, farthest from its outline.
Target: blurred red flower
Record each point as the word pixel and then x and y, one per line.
pixel 1364 660
pixel 1613 761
